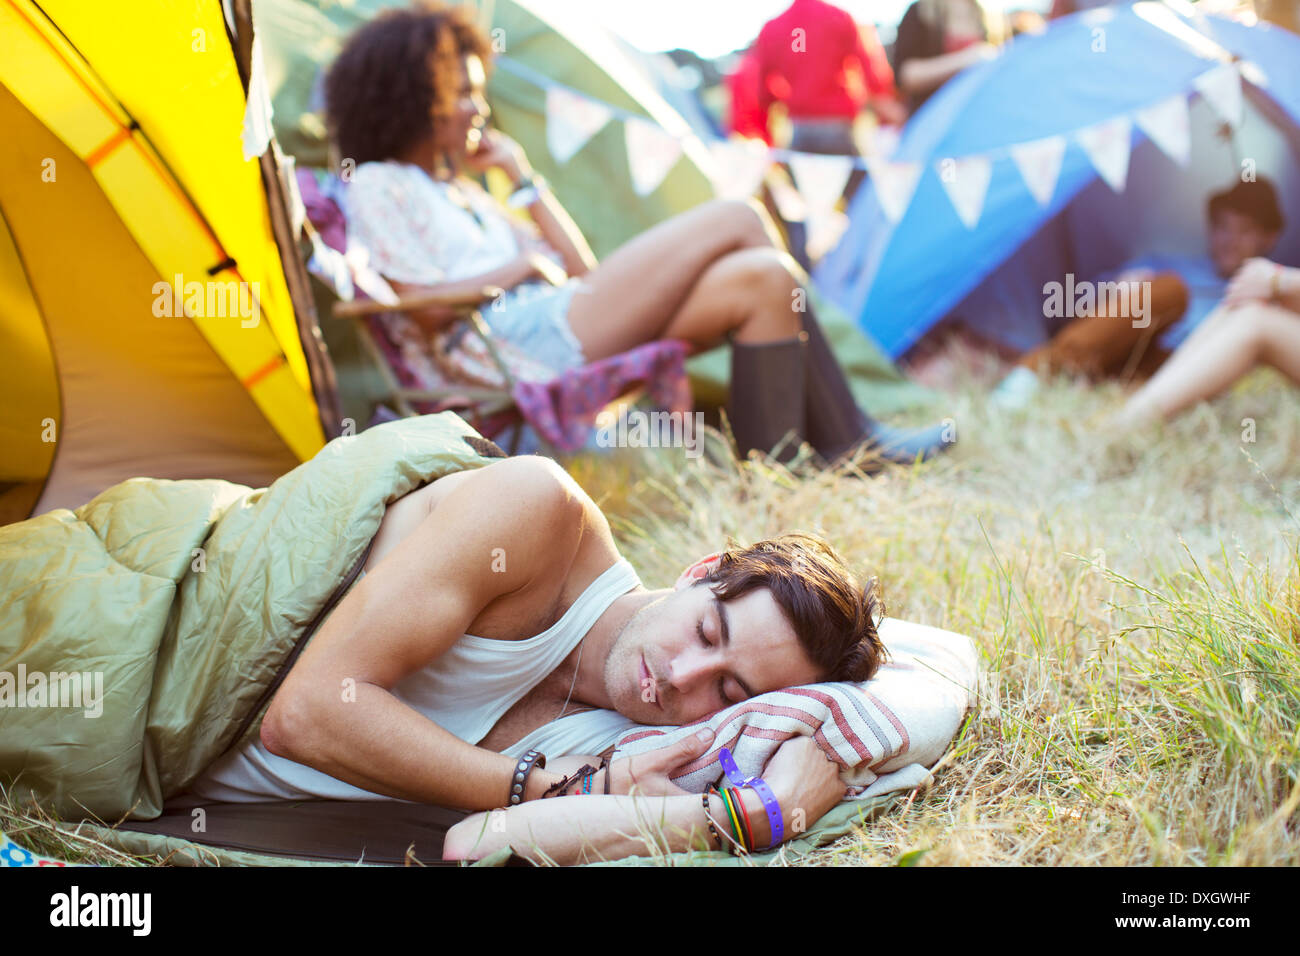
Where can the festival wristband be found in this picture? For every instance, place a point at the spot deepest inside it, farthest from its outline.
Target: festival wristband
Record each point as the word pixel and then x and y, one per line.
pixel 761 788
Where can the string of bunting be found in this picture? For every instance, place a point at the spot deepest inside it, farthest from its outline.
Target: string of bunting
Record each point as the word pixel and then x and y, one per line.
pixel 573 118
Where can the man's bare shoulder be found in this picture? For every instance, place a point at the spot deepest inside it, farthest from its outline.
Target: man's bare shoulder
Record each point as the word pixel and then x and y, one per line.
pixel 529 514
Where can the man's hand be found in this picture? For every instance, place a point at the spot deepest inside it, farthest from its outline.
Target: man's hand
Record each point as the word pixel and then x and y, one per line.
pixel 651 773
pixel 803 778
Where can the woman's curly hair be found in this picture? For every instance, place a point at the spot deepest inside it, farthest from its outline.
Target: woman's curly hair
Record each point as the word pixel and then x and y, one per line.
pixel 397 75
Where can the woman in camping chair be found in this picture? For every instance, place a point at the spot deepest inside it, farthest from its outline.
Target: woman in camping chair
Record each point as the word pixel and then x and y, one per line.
pixel 406 105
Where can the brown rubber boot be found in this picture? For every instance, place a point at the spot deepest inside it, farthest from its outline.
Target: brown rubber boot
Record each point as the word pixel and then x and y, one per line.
pixel 767 396
pixel 836 425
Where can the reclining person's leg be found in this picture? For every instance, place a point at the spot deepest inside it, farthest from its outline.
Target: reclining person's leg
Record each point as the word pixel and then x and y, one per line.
pixel 1226 346
pixel 1105 342
pixel 636 291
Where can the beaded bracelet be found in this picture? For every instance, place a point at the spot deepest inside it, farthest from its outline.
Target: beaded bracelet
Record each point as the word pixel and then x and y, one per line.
pixel 708 819
pixel 561 787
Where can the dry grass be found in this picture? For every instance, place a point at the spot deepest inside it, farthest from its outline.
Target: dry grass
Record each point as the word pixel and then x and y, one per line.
pixel 1136 600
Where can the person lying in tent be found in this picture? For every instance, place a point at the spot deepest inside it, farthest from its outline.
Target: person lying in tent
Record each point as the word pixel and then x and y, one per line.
pixel 405 100
pixel 495 601
pixel 1194 323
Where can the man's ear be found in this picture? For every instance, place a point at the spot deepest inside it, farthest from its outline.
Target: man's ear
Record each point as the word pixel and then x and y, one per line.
pixel 698 570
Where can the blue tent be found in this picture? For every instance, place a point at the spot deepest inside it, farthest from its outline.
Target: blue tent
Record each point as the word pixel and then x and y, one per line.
pixel 900 279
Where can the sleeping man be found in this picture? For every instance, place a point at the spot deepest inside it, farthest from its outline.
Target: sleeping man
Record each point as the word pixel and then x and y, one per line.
pixel 493 602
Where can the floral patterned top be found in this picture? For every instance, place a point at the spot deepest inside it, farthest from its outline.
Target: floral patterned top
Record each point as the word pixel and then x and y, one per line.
pixel 423 231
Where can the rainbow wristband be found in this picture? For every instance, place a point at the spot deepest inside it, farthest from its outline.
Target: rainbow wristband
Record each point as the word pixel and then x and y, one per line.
pixel 761 788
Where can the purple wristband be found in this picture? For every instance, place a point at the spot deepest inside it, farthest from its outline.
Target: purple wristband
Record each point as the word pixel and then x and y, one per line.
pixel 764 792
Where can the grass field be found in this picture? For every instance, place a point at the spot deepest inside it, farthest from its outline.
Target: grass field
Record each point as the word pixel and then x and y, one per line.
pixel 1136 599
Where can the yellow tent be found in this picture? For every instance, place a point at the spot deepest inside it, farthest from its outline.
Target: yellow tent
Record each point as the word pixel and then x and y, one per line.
pixel 148 277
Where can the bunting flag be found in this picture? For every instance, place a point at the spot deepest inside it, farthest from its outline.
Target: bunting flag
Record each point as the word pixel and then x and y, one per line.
pixel 966 181
pixel 1221 87
pixel 894 184
pixel 738 167
pixel 571 120
pixel 821 179
pixel 651 152
pixel 1107 147
pixel 1168 124
pixel 1039 162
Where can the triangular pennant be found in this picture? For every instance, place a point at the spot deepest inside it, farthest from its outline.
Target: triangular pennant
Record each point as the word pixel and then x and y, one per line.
pixel 1253 73
pixel 821 179
pixel 966 181
pixel 571 120
pixel 823 231
pixel 1221 87
pixel 1107 145
pixel 1168 125
pixel 894 184
pixel 1039 162
pixel 738 167
pixel 651 153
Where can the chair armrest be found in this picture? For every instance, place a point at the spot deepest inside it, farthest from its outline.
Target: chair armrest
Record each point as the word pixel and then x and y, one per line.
pixel 465 301
pixel 483 332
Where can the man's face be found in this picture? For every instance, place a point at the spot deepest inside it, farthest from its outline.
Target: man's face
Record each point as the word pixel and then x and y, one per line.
pixel 1234 238
pixel 688 655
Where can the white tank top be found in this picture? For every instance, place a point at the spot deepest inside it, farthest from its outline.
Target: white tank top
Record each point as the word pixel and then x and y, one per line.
pixel 465 691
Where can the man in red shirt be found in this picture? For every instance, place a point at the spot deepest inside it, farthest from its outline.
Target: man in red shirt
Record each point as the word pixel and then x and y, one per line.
pixel 813 59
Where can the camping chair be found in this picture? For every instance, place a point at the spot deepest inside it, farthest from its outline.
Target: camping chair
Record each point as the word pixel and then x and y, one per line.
pixel 412 383
pixel 362 296
pixel 488 409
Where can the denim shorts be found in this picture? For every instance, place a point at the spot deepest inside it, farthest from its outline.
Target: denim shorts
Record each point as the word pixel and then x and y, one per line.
pixel 533 317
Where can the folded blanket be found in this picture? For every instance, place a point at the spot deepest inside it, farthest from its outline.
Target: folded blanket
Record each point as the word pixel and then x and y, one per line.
pixel 884 732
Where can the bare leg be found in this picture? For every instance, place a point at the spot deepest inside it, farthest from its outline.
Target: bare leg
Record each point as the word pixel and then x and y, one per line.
pixel 633 295
pixel 749 293
pixel 1227 345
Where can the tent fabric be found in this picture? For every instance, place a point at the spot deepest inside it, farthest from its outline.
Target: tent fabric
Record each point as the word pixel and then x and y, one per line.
pixel 116 185
pixel 302 37
pixel 179 409
pixel 899 279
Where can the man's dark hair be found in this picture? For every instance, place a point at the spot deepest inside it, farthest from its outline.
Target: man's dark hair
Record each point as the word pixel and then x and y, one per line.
pixel 834 617
pixel 398 74
pixel 1256 199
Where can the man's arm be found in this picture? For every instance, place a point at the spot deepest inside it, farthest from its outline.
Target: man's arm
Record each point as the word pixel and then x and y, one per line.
pixel 335 712
pixel 581 829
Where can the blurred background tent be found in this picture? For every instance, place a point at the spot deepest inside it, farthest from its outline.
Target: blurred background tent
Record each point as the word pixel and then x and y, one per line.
pixel 1074 152
pixel 557 78
pixel 123 177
